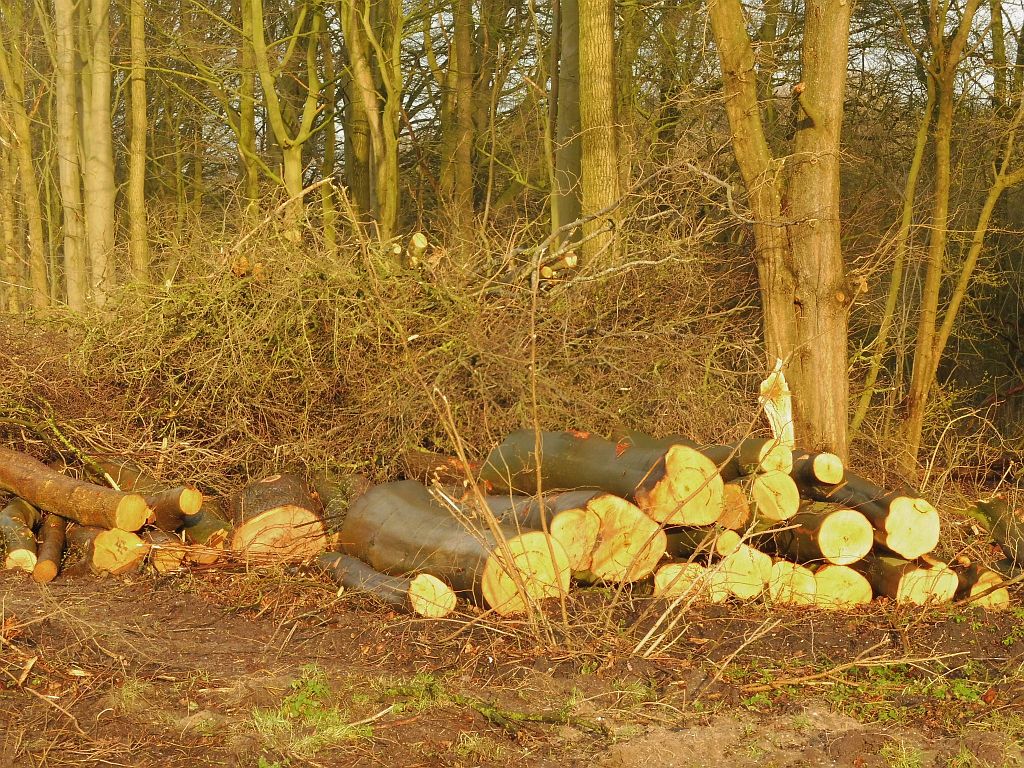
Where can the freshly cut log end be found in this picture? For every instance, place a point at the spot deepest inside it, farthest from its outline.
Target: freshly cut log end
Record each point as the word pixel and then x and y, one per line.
pixel 538 563
pixel 774 496
pixel 207 532
pixel 170 507
pixel 52 533
pixel 825 533
pixel 745 572
pixel 17 540
pixel 736 511
pixel 276 521
pixel 757 454
pixel 577 530
pixel 824 469
pixel 629 543
pixel 911 527
pixel 674 580
pixel 118 552
pixel 166 551
pixel 423 594
pixel 688 492
pixel 981 588
pixel 840 588
pixel 791 584
pixel 907 582
pixel 132 513
pixel 430 597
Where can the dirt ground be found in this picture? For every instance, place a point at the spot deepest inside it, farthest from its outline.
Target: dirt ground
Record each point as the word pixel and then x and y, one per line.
pixel 272 669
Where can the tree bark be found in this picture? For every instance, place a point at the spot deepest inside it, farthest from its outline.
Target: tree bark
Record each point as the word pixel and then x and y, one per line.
pixel 599 142
pixel 423 594
pixel 86 504
pixel 398 528
pixel 75 269
pixel 17 541
pixel 52 533
pixel 566 203
pixel 275 519
pixel 138 238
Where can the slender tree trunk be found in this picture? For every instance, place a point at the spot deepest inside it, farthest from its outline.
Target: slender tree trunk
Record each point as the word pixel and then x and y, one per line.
pixel 566 202
pixel 247 110
pixel 138 238
pixel 945 61
pixel 98 142
pixel 823 298
pixel 999 69
pixel 11 259
pixel 462 187
pixel 12 74
pixel 364 130
pixel 328 203
pixel 67 156
pixel 760 173
pixel 600 161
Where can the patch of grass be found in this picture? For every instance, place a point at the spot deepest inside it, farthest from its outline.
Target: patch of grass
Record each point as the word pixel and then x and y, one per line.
pixel 1016 633
pixel 635 692
pixel 417 693
pixel 132 697
pixel 476 745
pixel 899 754
pixel 306 722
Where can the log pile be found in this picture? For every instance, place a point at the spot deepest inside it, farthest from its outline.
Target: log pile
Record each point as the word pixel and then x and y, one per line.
pixel 695 522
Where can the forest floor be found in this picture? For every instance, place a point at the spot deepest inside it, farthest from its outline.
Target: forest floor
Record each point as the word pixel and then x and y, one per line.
pixel 273 669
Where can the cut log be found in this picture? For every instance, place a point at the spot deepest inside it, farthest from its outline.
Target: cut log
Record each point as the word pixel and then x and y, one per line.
pixel 906 525
pixel 166 551
pixel 399 529
pixel 791 584
pixel 17 541
pixel 817 468
pixel 701 542
pixel 118 552
pixel 744 573
pixel 747 457
pixel 980 587
pixel 736 511
pixel 773 496
pixel 337 490
pixel 208 532
pixel 84 503
pixel 681 580
pixel 907 582
pixel 422 594
pixel 50 554
pixel 566 516
pixel 826 533
pixel 168 505
pixel 677 485
pixel 429 468
pixel 276 520
pixel 629 544
pixel 1004 526
pixel 839 587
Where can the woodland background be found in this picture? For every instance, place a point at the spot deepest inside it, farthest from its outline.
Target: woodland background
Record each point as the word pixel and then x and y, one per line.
pixel 631 207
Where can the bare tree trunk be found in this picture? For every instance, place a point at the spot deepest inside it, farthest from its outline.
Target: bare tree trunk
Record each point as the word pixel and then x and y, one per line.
pixel 566 203
pixel 462 187
pixel 822 296
pixel 600 161
pixel 138 238
pixel 328 201
pixel 98 143
pixel 247 109
pixel 11 266
pixel 12 73
pixel 67 156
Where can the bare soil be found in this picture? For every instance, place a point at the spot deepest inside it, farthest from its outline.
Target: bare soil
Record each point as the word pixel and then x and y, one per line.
pixel 274 669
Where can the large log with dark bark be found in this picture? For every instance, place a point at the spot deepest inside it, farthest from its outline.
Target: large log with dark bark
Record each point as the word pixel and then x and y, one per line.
pixel 81 502
pixel 905 525
pixel 822 533
pixel 208 531
pixel 17 540
pixel 907 582
pixel 1004 525
pixel 981 587
pixel 677 485
pixel 422 594
pixel 747 457
pixel 275 519
pixel 400 529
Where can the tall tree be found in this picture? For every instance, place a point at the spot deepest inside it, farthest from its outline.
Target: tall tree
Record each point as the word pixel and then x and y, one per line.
pixel 98 145
pixel 599 141
pixel 566 196
pixel 66 109
pixel 804 292
pixel 138 238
